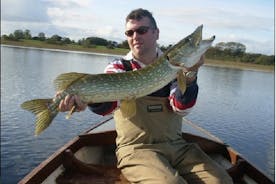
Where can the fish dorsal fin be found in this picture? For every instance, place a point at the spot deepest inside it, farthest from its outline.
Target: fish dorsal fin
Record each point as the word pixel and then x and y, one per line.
pixel 64 80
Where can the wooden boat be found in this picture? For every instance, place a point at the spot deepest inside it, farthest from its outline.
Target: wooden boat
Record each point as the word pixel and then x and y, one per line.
pixel 90 158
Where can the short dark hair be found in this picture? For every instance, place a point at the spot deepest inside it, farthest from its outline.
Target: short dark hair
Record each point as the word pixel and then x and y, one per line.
pixel 139 13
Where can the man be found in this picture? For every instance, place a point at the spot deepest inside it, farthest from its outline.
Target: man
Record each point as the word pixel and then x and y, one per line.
pixel 150 148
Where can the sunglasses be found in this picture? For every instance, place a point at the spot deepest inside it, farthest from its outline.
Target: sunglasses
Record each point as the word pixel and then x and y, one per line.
pixel 141 30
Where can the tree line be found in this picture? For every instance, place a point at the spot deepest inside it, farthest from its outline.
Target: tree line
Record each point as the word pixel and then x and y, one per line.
pixel 234 51
pixel 88 42
pixel 229 51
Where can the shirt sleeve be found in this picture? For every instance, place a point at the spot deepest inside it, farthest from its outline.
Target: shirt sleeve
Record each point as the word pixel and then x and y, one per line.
pixel 183 103
pixel 103 108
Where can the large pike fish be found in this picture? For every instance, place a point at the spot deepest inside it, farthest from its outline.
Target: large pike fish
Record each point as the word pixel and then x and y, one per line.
pixel 125 86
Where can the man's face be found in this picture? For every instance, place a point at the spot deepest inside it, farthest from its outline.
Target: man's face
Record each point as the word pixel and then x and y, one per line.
pixel 140 44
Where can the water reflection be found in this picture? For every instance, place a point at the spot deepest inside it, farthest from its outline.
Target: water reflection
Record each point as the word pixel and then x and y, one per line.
pixel 221 80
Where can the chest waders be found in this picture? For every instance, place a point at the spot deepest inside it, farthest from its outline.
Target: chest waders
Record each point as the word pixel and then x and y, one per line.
pixel 150 148
pixel 153 123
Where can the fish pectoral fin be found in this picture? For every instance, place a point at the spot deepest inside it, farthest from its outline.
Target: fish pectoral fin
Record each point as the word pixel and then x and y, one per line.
pixel 181 81
pixel 128 108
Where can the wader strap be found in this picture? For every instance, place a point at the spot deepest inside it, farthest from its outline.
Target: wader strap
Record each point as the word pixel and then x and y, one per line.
pixel 127 65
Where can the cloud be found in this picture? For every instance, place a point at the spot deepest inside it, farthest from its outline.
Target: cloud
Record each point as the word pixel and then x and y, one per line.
pixel 21 11
pixel 218 17
pixel 72 16
pixel 78 20
pixel 256 31
pixel 17 14
pixel 69 18
pixel 250 24
pixel 68 3
pixel 255 45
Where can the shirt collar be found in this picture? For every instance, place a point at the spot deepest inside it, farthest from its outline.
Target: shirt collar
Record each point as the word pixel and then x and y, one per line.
pixel 129 56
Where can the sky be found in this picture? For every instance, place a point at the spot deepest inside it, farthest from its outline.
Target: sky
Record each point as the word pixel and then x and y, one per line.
pixel 250 22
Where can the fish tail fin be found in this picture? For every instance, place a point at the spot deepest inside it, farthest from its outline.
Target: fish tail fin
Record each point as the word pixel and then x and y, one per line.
pixel 44 111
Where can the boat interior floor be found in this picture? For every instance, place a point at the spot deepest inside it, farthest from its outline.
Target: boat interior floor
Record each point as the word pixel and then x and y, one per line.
pixel 106 172
pixel 77 171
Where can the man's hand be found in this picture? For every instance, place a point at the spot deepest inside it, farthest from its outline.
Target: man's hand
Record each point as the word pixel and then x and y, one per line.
pixel 69 101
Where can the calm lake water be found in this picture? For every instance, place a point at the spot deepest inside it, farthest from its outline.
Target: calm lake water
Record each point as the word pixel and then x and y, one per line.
pixel 235 105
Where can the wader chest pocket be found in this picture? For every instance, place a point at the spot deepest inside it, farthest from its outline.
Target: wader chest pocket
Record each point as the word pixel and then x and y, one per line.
pixel 155 108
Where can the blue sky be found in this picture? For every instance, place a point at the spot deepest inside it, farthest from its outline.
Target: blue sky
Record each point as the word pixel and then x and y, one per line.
pixel 250 22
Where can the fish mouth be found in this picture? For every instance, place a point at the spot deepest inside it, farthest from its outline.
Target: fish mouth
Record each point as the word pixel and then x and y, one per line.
pixel 188 51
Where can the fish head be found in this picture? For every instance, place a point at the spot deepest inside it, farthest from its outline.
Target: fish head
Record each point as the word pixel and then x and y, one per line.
pixel 187 52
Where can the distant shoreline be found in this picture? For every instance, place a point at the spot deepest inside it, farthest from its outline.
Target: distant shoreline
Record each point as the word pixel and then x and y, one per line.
pixel 239 65
pixel 60 50
pixel 116 52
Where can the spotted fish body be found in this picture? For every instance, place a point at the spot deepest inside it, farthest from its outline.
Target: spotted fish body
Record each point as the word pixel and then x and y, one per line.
pixel 118 86
pixel 121 86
